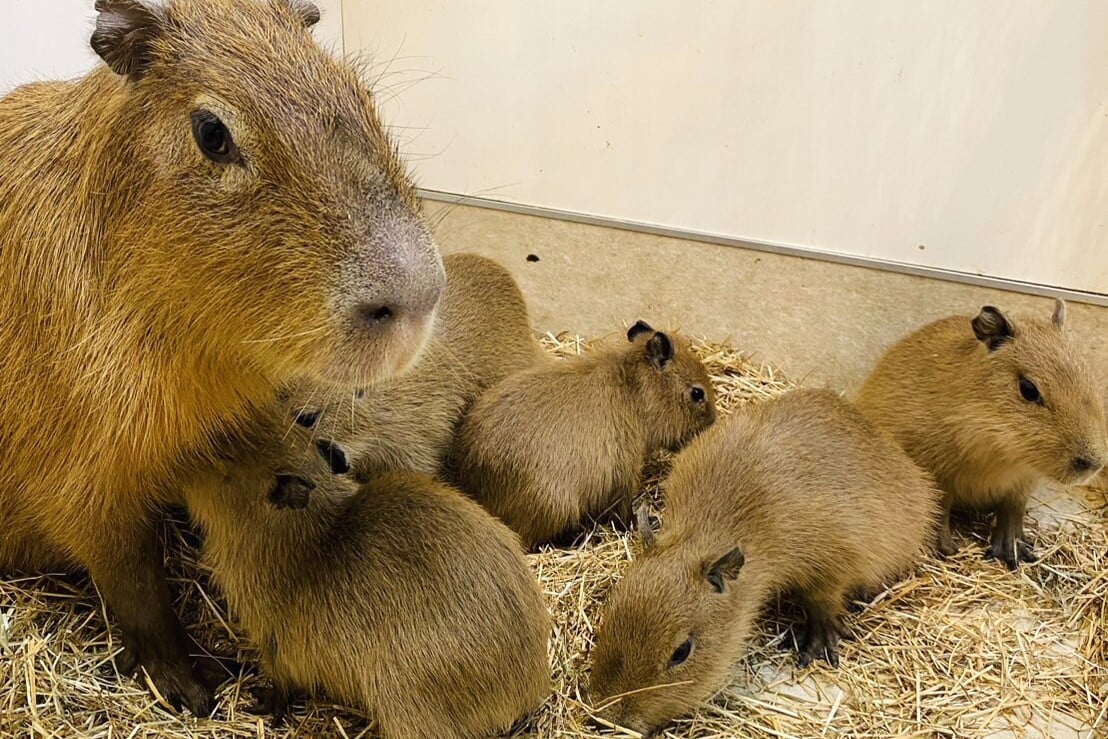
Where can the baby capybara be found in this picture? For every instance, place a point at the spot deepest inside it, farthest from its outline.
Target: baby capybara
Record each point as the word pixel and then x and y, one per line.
pixel 213 211
pixel 797 494
pixel 991 405
pixel 565 439
pixel 402 597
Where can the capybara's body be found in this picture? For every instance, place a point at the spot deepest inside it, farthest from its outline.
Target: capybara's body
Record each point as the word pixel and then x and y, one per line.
pixel 482 333
pixel 177 236
pixel 797 494
pixel 565 439
pixel 990 405
pixel 403 597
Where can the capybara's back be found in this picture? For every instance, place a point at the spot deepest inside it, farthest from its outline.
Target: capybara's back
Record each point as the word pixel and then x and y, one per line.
pixel 214 210
pixel 839 488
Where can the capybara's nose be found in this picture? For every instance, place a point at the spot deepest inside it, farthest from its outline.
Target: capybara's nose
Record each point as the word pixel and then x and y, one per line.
pixel 382 314
pixel 373 315
pixel 1081 465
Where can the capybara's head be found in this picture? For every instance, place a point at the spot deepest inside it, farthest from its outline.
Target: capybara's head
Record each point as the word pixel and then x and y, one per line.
pixel 1040 392
pixel 261 197
pixel 673 391
pixel 668 635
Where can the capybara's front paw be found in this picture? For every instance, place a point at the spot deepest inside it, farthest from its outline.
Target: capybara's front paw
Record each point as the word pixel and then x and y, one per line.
pixel 822 641
pixel 176 678
pixel 1011 551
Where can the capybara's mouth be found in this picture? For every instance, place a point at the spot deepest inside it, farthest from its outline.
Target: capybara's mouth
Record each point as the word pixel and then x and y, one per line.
pixel 357 366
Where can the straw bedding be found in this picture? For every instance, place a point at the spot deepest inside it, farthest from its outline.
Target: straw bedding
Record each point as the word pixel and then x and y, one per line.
pixel 961 648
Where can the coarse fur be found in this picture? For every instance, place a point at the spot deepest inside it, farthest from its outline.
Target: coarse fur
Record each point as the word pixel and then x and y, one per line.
pixel 950 394
pixel 565 439
pixel 402 597
pixel 481 334
pixel 799 494
pixel 214 211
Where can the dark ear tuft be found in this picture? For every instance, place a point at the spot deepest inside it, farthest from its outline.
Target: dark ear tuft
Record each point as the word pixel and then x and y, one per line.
pixel 641 327
pixel 307 11
pixel 1058 318
pixel 992 328
pixel 659 350
pixel 290 491
pixel 642 524
pixel 334 455
pixel 125 34
pixel 725 568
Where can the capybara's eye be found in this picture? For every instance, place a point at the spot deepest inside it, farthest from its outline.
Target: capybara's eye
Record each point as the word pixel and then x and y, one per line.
pixel 1029 392
pixel 681 653
pixel 307 419
pixel 697 394
pixel 213 138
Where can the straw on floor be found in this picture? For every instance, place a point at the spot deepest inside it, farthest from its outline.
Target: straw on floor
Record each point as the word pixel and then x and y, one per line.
pixel 961 648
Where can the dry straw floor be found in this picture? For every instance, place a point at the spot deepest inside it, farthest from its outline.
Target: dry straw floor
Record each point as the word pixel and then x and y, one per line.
pixel 962 648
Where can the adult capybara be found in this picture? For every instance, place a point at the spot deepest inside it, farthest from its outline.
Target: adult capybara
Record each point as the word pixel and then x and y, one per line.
pixel 991 405
pixel 799 494
pixel 214 210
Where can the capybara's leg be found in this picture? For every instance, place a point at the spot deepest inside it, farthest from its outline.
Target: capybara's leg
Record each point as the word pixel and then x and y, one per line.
pixel 945 542
pixel 824 628
pixel 126 566
pixel 1008 543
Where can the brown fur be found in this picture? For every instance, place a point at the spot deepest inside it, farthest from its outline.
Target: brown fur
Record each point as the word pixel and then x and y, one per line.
pixel 482 333
pixel 152 296
pixel 566 439
pixel 956 407
pixel 810 495
pixel 404 597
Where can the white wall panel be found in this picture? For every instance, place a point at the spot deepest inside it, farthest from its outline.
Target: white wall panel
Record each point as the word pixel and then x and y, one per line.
pixel 967 136
pixel 49 39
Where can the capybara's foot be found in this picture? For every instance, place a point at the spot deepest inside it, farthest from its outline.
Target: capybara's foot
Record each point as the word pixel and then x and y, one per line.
pixel 1011 552
pixel 945 545
pixel 821 640
pixel 183 681
pixel 1008 543
pixel 274 701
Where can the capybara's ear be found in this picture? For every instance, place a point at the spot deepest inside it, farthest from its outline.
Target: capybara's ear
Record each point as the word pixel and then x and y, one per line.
pixel 641 327
pixel 290 491
pixel 334 455
pixel 1058 318
pixel 125 34
pixel 992 328
pixel 307 11
pixel 659 350
pixel 724 569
